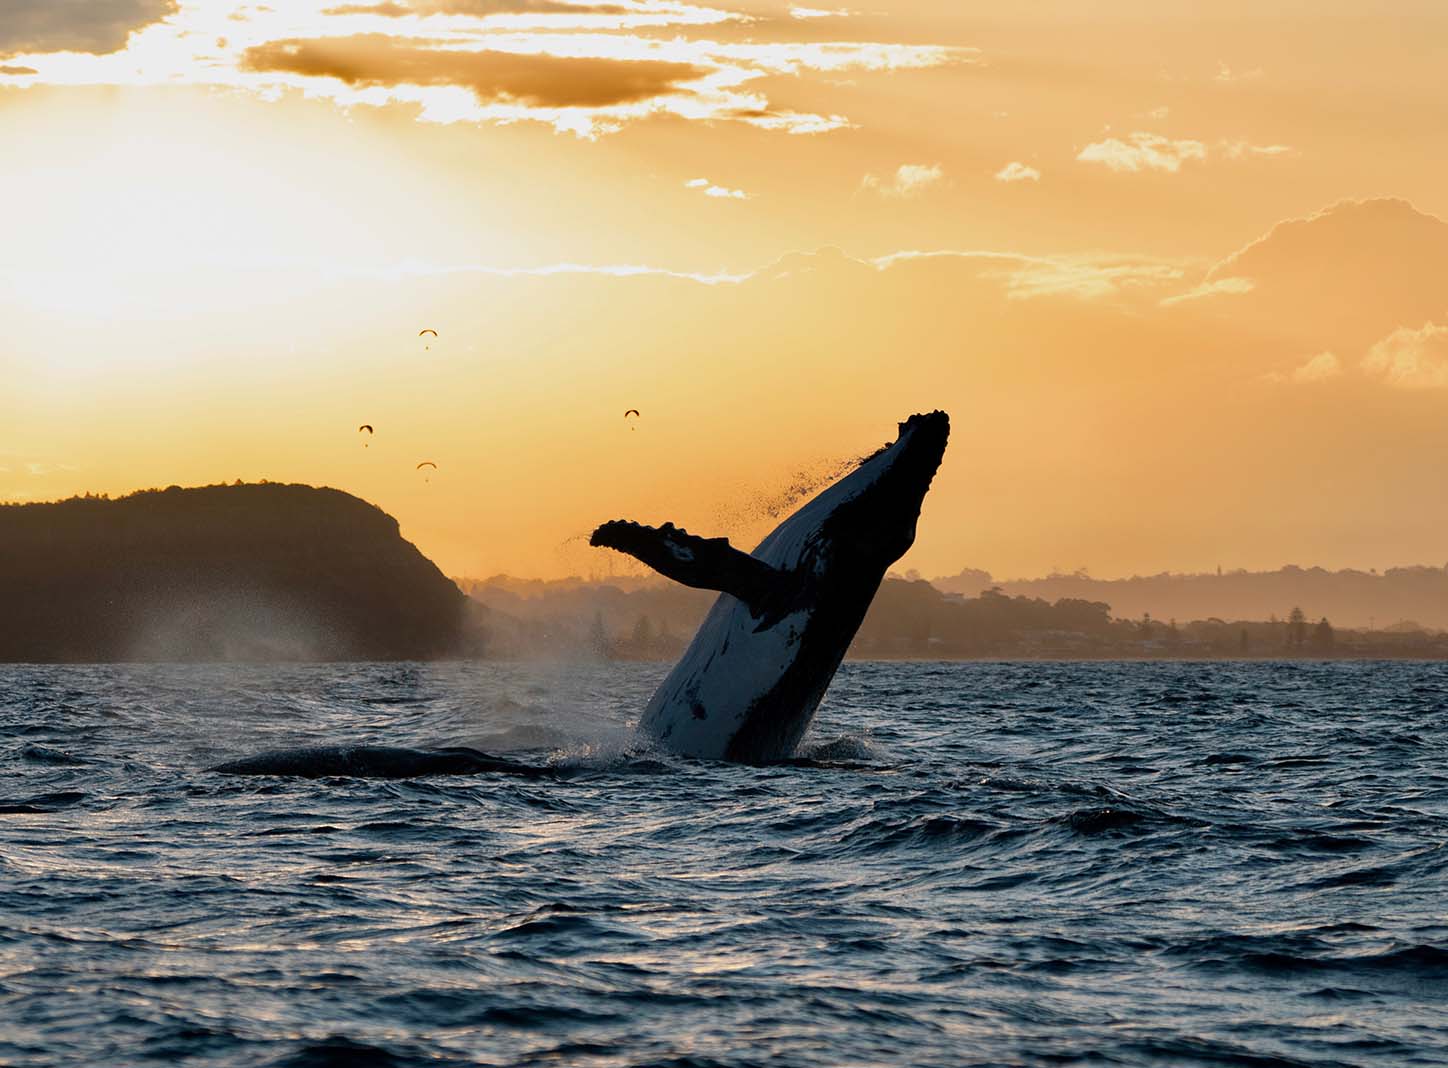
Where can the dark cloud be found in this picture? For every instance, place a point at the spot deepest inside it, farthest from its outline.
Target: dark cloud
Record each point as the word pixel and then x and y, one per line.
pixel 18 70
pixel 536 80
pixel 95 26
pixel 392 9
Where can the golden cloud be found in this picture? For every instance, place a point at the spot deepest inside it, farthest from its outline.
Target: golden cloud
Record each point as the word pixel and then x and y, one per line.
pixel 538 80
pixel 1211 289
pixel 1246 150
pixel 1341 279
pixel 1142 152
pixel 1017 172
pixel 1323 366
pixel 709 189
pixel 1411 359
pixel 1028 277
pixel 909 180
pixel 1371 236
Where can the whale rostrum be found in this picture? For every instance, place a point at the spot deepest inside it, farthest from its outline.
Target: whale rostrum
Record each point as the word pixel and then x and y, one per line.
pixel 750 681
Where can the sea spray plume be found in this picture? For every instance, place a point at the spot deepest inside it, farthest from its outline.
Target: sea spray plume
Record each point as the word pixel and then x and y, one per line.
pixel 752 507
pixel 759 665
pixel 544 721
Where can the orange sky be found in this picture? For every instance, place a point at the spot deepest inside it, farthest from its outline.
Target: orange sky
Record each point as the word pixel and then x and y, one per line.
pixel 1178 271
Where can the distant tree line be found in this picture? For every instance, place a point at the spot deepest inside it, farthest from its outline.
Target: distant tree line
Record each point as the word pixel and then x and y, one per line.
pixel 913 619
pixel 1352 598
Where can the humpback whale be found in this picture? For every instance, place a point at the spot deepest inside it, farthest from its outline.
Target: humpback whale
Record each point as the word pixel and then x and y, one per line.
pixel 749 683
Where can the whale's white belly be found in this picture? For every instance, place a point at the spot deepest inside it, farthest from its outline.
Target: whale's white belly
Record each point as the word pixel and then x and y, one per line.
pixel 705 700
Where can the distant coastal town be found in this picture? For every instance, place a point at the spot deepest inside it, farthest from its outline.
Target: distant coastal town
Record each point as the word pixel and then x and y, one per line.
pixel 911 618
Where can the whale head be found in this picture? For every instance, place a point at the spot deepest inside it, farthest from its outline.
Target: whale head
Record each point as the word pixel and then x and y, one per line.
pixel 866 521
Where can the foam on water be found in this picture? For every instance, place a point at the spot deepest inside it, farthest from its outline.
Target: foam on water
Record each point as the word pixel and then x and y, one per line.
pixel 1140 864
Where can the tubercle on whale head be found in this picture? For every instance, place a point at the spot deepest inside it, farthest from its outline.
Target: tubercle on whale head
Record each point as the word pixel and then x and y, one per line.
pixel 925 435
pixel 879 523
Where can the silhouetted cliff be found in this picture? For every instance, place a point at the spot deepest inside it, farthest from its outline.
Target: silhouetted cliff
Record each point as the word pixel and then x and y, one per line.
pixel 246 571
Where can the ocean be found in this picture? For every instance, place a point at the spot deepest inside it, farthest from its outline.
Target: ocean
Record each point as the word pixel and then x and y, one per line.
pixel 975 864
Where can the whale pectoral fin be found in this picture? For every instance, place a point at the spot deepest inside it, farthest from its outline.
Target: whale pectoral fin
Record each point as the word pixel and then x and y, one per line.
pixel 704 563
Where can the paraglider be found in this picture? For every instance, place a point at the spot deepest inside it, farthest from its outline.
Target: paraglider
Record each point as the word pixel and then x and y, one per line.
pixel 428 330
pixel 631 411
pixel 426 463
pixel 367 427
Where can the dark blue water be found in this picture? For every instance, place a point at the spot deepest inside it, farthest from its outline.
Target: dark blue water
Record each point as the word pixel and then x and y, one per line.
pixel 1137 864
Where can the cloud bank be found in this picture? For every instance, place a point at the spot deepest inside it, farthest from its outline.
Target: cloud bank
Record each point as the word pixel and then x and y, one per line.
pixel 94 26
pixel 587 68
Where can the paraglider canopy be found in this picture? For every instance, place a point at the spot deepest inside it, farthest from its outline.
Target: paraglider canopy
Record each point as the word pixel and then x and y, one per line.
pixel 365 426
pixel 631 411
pixel 427 463
pixel 427 331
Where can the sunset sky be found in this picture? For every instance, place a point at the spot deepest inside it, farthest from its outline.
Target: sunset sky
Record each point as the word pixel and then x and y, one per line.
pixel 1178 271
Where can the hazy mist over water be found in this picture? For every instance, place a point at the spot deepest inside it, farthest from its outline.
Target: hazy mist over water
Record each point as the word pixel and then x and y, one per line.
pixel 1136 864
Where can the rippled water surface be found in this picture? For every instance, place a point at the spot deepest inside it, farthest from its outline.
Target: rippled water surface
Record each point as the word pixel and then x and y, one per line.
pixel 1003 864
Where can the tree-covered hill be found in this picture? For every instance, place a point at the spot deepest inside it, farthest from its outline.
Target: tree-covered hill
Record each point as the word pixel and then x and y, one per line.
pixel 245 571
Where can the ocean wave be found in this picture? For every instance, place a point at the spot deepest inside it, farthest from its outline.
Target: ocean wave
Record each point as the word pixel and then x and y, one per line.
pixel 990 864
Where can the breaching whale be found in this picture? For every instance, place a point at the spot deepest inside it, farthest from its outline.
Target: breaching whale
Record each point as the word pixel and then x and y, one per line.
pixel 749 683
